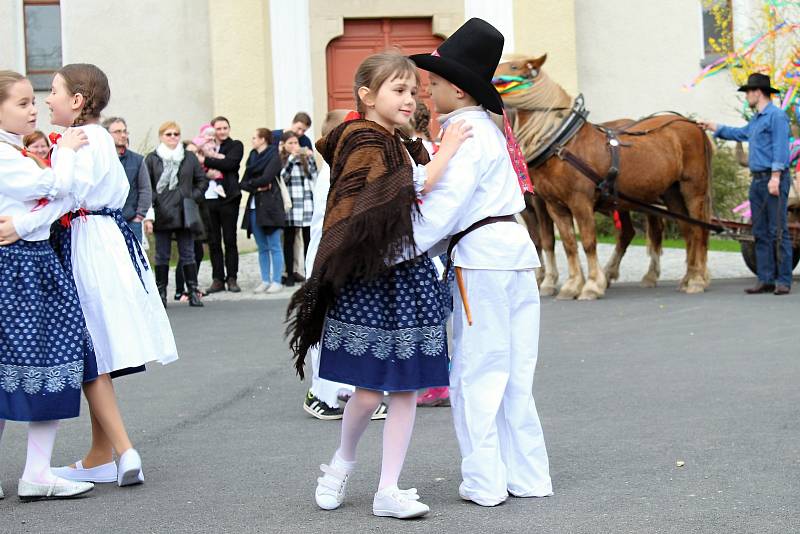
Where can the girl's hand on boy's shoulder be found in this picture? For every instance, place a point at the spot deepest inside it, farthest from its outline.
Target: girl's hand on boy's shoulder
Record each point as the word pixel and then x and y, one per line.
pixel 455 135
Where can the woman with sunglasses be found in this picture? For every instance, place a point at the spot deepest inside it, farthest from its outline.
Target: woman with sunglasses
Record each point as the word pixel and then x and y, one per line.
pixel 176 175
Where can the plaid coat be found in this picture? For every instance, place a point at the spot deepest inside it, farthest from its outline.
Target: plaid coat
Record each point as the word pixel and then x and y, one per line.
pixel 300 185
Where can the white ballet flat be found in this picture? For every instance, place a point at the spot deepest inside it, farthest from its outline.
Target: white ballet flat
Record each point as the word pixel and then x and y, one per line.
pixel 58 489
pixel 99 475
pixel 130 471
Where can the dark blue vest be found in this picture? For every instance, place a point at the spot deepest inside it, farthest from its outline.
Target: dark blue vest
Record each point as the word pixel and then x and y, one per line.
pixel 131 162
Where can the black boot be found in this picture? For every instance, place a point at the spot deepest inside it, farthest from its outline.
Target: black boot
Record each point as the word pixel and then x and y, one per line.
pixel 190 276
pixel 162 275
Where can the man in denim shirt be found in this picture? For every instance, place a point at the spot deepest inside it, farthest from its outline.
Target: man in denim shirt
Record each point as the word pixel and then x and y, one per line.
pixel 768 136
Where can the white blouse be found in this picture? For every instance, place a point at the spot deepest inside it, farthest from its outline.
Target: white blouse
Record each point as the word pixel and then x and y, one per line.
pixel 97 181
pixel 23 183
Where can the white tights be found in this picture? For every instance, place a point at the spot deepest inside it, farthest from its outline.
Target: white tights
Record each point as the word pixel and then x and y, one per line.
pixel 396 432
pixel 41 438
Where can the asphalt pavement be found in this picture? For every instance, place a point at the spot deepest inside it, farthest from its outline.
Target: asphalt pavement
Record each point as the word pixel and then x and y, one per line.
pixel 627 387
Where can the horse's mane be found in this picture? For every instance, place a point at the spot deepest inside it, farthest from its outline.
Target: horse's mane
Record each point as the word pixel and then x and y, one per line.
pixel 544 95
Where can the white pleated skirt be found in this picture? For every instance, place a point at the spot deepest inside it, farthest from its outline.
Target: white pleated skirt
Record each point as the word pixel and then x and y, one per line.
pixel 128 325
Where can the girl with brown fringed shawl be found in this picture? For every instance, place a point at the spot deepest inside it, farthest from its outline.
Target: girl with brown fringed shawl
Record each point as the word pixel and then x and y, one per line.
pixel 379 320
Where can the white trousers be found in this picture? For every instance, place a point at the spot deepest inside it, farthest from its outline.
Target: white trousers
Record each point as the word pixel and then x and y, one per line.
pixel 324 390
pixel 491 388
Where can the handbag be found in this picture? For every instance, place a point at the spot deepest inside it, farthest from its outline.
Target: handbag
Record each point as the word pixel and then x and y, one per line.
pixel 192 219
pixel 287 200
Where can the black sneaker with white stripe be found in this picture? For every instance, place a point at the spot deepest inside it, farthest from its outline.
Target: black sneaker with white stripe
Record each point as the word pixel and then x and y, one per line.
pixel 321 410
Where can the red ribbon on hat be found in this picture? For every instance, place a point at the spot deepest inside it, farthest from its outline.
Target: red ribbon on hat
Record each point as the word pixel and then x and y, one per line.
pixel 517 158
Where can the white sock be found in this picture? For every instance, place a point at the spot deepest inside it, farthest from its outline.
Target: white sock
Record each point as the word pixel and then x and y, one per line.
pixel 41 438
pixel 396 436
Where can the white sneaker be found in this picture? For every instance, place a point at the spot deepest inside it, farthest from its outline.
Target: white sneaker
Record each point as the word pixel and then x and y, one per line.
pixel 58 489
pixel 402 504
pixel 98 475
pixel 262 287
pixel 130 469
pixel 274 288
pixel 331 486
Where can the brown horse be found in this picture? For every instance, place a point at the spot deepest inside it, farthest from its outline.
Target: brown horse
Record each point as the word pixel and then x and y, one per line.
pixel 669 165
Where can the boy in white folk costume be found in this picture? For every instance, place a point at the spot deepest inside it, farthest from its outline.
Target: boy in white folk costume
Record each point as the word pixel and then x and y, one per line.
pixel 472 209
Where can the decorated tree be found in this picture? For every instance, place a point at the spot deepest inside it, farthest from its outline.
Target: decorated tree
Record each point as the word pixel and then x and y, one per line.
pixel 770 45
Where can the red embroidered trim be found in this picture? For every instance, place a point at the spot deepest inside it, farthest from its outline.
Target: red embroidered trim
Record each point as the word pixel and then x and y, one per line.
pixel 517 159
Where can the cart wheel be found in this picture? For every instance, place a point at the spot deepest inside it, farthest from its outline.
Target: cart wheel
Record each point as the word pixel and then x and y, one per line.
pixel 749 254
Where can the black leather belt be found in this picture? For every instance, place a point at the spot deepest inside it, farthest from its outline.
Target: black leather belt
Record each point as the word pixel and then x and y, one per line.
pixel 460 235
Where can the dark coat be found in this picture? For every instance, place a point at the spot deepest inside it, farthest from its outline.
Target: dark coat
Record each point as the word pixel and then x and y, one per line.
pixel 168 205
pixel 269 204
pixel 229 166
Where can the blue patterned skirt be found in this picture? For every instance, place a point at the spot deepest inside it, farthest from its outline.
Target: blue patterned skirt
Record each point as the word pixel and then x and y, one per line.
pixel 389 334
pixel 45 350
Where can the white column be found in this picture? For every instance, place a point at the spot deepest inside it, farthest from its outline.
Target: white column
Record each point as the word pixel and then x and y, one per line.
pixel 291 61
pixel 498 13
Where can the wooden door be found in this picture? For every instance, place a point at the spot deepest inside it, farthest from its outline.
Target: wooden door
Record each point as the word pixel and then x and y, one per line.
pixel 363 37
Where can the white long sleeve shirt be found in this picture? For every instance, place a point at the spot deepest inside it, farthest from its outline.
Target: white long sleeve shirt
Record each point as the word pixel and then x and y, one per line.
pixel 23 183
pixel 97 181
pixel 479 182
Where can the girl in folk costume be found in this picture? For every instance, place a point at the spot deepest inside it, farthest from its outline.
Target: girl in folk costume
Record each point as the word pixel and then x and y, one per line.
pixel 118 294
pixel 381 323
pixel 299 172
pixel 45 350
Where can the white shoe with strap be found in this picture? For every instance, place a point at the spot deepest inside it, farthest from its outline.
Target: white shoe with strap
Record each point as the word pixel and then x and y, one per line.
pixel 99 474
pixel 332 485
pixel 402 504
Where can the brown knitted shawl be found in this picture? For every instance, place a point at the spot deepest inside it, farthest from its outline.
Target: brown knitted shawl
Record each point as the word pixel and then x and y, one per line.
pixel 367 221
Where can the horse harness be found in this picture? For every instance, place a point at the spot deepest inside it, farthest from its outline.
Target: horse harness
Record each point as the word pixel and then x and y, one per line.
pixel 606 185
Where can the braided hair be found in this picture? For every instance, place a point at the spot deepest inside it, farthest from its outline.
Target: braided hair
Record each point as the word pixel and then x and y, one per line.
pixel 422 120
pixel 90 82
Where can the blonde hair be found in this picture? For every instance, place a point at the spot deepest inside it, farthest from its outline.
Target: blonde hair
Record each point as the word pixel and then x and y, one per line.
pixel 169 125
pixel 7 79
pixel 377 69
pixel 91 82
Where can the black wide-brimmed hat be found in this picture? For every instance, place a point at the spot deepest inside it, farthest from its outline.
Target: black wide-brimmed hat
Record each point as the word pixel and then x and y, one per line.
pixel 468 59
pixel 758 81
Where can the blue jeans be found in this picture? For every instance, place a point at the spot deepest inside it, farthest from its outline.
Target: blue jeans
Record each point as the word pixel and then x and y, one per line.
pixel 769 212
pixel 136 227
pixel 269 251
